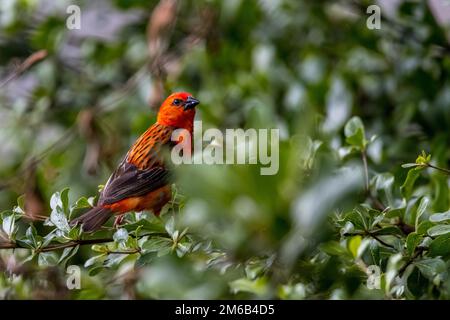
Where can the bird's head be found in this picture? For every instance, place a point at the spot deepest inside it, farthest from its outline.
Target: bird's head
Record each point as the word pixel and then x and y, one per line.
pixel 178 110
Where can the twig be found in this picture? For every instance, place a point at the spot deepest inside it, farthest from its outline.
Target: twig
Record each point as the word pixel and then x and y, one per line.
pixel 137 250
pixel 73 243
pixel 32 59
pixel 446 171
pixel 411 260
pixel 381 241
pixel 367 233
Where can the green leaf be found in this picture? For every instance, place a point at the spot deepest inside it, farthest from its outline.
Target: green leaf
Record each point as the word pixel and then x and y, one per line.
pixel 438 230
pixel 25 243
pixel 31 233
pixel 358 218
pixel 146 226
pixel 95 259
pixel 64 195
pixel 353 245
pixel 354 133
pixel 32 237
pixel 383 184
pixel 254 269
pixel 347 228
pixel 82 203
pixel 395 213
pixel 440 246
pixel 164 251
pixel 411 211
pixel 55 201
pixel 145 259
pixel 114 259
pixel 258 286
pixel 442 216
pixel 175 235
pixel 392 269
pixel 47 259
pixel 424 226
pixel 408 185
pixel 20 208
pixel 170 226
pixel 49 237
pixel 95 270
pixel 131 243
pixel 157 244
pixel 410 165
pixel 67 254
pixel 383 181
pixel 441 198
pixel 182 249
pixel 9 224
pixel 387 231
pixel 59 220
pixel 75 232
pixel 333 248
pixel 421 209
pixel 412 241
pixel 432 269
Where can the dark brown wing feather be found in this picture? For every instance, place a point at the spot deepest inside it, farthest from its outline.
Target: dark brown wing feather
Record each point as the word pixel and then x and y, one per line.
pixel 133 182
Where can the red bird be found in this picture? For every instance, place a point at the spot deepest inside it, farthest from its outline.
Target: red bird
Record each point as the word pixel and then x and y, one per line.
pixel 141 181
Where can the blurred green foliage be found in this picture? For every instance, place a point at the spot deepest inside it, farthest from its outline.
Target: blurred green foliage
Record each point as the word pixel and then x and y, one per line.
pixel 352 106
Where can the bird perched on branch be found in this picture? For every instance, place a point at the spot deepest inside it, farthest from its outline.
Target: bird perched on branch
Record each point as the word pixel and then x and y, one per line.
pixel 141 181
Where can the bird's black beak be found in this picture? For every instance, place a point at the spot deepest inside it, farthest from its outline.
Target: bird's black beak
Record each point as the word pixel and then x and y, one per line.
pixel 191 102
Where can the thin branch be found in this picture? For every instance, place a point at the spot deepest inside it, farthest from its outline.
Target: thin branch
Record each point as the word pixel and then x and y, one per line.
pixel 137 250
pixel 410 261
pixel 363 233
pixel 382 241
pixel 446 171
pixel 74 243
pixel 26 64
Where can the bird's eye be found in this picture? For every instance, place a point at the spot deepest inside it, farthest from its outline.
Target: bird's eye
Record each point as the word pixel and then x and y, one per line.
pixel 177 102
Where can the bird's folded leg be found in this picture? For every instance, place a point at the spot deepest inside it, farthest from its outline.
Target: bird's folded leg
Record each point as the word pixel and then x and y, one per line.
pixel 118 221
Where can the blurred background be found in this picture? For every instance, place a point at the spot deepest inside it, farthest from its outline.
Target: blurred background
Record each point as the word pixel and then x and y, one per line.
pixel 73 101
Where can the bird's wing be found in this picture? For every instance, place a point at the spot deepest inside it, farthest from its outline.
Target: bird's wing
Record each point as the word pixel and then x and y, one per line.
pixel 133 182
pixel 142 170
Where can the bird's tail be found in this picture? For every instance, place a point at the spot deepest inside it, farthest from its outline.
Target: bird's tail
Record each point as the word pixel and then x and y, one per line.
pixel 93 219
